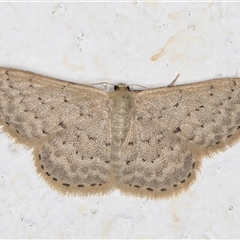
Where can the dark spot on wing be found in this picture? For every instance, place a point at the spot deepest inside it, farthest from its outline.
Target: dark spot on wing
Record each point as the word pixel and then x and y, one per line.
pixel 66 184
pixel 178 129
pixel 193 165
pixel 80 185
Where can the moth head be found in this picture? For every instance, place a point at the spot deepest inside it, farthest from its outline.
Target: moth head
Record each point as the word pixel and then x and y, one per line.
pixel 121 87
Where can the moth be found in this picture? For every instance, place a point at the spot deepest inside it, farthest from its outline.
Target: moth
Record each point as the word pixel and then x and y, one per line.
pixel 147 143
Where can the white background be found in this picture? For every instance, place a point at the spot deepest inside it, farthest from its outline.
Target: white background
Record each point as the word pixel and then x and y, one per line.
pixel 134 43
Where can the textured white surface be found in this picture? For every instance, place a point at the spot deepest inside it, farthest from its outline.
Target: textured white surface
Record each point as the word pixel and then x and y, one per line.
pixel 133 43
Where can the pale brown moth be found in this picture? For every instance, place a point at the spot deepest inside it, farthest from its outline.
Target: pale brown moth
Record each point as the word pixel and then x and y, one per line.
pixel 147 143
